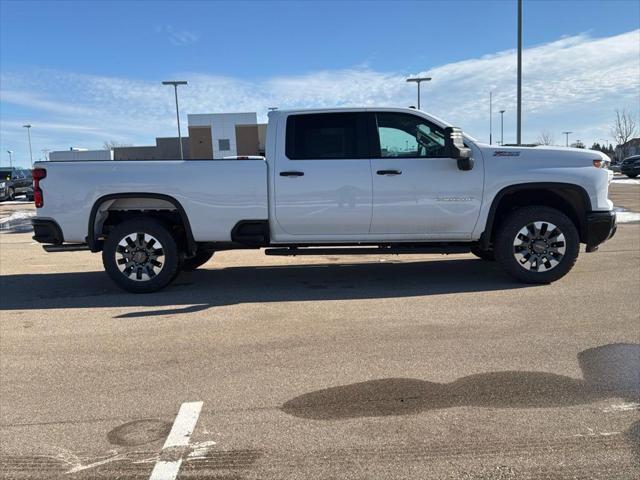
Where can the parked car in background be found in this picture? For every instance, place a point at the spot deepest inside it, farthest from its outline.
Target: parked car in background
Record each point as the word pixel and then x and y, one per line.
pixel 18 181
pixel 631 166
pixel 4 190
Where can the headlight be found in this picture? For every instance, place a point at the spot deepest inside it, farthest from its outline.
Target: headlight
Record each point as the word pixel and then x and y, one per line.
pixel 3 184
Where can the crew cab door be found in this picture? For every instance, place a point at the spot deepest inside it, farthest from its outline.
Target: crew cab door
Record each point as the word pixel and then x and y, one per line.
pixel 416 188
pixel 323 175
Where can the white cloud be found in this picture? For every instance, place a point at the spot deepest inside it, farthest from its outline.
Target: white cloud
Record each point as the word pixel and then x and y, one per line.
pixel 573 83
pixel 179 38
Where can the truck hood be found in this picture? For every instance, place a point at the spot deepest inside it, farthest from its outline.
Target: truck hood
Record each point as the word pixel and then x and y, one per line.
pixel 551 156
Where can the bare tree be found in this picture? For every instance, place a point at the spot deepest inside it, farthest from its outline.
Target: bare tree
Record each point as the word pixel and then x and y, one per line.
pixel 624 129
pixel 111 144
pixel 545 138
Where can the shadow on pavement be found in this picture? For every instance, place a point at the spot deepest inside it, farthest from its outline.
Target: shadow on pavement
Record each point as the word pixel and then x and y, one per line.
pixel 633 437
pixel 209 288
pixel 617 375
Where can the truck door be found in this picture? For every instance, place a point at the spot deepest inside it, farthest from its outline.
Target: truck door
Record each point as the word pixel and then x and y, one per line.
pixel 416 189
pixel 323 175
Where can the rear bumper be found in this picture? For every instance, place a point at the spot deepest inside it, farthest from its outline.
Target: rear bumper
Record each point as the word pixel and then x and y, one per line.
pixel 47 231
pixel 601 226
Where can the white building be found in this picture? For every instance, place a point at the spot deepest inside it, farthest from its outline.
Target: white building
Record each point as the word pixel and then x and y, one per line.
pixel 218 135
pixel 211 135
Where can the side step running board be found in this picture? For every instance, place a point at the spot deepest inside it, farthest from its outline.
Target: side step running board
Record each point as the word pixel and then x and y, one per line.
pixel 69 247
pixel 368 250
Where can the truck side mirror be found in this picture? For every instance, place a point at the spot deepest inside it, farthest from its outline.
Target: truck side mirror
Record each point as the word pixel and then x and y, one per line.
pixel 454 148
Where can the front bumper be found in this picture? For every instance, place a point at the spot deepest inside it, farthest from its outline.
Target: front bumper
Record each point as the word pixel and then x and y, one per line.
pixel 601 226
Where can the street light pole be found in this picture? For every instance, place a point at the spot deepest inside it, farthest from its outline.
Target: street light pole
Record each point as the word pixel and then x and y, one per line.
pixel 567 135
pixel 490 117
pixel 10 152
pixel 28 127
pixel 175 84
pixel 419 80
pixel 502 127
pixel 519 114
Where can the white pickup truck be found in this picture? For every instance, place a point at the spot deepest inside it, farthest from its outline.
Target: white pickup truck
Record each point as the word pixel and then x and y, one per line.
pixel 341 181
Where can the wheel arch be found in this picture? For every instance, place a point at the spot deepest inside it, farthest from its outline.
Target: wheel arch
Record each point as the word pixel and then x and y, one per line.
pixel 571 199
pixel 95 244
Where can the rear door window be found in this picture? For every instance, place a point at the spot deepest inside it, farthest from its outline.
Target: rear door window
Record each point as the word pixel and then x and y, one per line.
pixel 326 136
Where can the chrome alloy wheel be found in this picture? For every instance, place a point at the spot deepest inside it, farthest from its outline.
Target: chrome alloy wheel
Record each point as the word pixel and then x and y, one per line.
pixel 139 256
pixel 539 246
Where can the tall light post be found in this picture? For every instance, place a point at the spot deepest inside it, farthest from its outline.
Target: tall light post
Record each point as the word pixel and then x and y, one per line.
pixel 567 136
pixel 10 152
pixel 175 84
pixel 419 80
pixel 490 117
pixel 519 113
pixel 502 127
pixel 28 127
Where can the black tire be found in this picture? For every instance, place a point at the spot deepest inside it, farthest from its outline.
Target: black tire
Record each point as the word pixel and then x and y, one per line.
pixel 543 248
pixel 11 194
pixel 632 175
pixel 201 257
pixel 487 255
pixel 118 252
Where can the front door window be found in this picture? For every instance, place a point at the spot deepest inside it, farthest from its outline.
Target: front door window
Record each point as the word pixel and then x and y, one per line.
pixel 408 136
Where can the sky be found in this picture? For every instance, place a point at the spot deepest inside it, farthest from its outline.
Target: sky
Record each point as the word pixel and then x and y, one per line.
pixel 86 72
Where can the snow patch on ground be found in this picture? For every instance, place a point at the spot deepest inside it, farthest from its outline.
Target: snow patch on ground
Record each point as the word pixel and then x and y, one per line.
pixel 19 221
pixel 622 407
pixel 17 202
pixel 628 181
pixel 625 216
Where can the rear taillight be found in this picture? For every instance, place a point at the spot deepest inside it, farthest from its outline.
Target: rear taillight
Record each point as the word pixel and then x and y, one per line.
pixel 38 197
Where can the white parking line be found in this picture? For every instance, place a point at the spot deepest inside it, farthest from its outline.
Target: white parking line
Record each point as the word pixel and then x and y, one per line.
pixel 179 436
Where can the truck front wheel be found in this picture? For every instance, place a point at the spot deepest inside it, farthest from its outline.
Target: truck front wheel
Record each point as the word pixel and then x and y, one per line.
pixel 140 255
pixel 537 244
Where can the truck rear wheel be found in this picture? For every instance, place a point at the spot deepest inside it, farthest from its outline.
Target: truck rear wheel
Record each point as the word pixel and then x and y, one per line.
pixel 537 244
pixel 140 255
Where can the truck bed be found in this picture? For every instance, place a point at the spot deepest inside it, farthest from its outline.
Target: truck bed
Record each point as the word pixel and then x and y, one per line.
pixel 215 194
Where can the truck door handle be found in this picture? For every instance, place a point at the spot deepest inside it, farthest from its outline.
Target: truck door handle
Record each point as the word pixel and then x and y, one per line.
pixel 389 172
pixel 291 174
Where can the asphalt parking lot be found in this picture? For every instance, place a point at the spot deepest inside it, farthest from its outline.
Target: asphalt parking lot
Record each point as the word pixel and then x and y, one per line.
pixel 430 367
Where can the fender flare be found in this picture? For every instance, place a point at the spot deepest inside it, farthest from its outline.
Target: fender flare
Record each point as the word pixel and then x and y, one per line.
pixel 92 239
pixel 559 188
